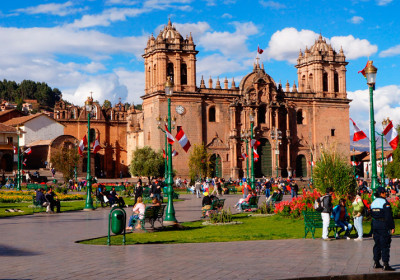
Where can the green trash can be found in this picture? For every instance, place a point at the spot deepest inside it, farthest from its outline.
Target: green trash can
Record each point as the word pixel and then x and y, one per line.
pixel 117 221
pixel 55 181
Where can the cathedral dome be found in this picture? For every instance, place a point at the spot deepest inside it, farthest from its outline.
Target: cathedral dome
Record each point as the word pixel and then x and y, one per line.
pixel 170 33
pixel 320 46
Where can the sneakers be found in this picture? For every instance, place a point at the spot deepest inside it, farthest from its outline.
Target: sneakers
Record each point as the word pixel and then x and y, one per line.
pixel 358 239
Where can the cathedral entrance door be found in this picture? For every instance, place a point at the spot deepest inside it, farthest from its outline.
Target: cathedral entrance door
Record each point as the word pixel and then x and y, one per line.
pixel 301 166
pixel 263 167
pixel 216 168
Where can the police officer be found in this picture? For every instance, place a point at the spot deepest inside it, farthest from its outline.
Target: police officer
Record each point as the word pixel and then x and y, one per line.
pixel 382 229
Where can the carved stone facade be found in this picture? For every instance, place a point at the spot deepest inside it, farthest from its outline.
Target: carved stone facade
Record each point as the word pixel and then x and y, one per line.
pixel 310 118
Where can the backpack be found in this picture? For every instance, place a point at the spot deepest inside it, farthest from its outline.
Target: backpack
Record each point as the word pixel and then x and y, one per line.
pixel 318 204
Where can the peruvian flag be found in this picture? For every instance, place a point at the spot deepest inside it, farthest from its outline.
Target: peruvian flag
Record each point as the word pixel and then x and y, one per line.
pixel 96 146
pixel 355 163
pixel 28 151
pixel 260 51
pixel 391 135
pixel 15 150
pixel 358 133
pixel 174 153
pixel 312 163
pixel 163 154
pixel 256 156
pixel 82 145
pixel 244 155
pixel 24 162
pixel 182 139
pixel 254 143
pixel 363 71
pixel 170 138
pixel 390 158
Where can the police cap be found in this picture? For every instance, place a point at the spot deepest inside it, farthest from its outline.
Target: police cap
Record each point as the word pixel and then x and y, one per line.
pixel 380 190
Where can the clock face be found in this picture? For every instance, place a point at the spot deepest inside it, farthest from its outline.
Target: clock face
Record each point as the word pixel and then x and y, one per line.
pixel 180 109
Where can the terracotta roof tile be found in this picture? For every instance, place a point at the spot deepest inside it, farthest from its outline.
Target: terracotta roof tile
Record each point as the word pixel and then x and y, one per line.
pixel 21 120
pixel 6 128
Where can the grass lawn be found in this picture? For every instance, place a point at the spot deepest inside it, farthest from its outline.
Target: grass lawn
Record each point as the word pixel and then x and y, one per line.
pixel 253 228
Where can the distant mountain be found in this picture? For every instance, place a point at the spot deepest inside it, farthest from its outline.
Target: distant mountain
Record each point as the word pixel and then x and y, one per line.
pixel 363 145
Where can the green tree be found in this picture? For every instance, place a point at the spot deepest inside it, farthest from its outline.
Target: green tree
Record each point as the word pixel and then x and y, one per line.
pixel 147 162
pixel 333 170
pixel 65 160
pixel 199 162
pixel 107 104
pixel 392 169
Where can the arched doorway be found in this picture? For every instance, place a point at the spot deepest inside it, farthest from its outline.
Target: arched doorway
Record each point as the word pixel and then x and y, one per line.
pixel 263 167
pixel 301 166
pixel 7 162
pixel 216 165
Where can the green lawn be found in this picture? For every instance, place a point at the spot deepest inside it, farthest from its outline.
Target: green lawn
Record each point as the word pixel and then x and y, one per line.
pixel 253 228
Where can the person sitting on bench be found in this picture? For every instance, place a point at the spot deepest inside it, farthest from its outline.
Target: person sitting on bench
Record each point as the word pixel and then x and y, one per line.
pixel 138 213
pixel 52 199
pixel 340 215
pixel 41 200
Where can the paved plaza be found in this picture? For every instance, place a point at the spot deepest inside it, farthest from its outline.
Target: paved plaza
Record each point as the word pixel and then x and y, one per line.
pixel 42 246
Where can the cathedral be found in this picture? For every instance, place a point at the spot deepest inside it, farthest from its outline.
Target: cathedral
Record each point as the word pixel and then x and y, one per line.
pixel 292 123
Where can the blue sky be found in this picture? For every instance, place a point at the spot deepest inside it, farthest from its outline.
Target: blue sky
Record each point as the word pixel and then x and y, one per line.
pixel 82 46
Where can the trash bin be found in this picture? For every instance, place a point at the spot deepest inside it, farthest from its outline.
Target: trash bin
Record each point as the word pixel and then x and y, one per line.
pixel 55 181
pixel 117 221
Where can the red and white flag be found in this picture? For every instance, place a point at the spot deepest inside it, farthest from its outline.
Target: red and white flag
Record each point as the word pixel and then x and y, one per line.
pixel 163 154
pixel 391 135
pixel 28 151
pixel 96 146
pixel 24 162
pixel 358 133
pixel 256 156
pixel 82 145
pixel 174 153
pixel 170 138
pixel 182 139
pixel 312 163
pixel 260 51
pixel 355 163
pixel 390 158
pixel 244 155
pixel 15 150
pixel 254 143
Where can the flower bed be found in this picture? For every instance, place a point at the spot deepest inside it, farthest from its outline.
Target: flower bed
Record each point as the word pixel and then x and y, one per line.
pixel 19 196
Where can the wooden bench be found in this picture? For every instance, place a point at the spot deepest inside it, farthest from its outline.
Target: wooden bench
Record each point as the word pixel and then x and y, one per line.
pixel 36 186
pixel 117 188
pixel 313 220
pixel 151 214
pixel 216 205
pixel 252 204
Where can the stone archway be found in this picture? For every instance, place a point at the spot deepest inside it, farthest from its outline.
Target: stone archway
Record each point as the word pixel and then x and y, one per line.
pixel 263 167
pixel 216 165
pixel 7 162
pixel 301 166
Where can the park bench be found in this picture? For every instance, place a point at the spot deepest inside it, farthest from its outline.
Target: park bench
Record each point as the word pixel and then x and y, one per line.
pixel 232 189
pixel 252 204
pixel 117 188
pixel 216 205
pixel 313 220
pixel 151 215
pixel 36 186
pixel 40 179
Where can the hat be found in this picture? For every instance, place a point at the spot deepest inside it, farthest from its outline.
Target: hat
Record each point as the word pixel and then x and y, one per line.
pixel 206 193
pixel 380 190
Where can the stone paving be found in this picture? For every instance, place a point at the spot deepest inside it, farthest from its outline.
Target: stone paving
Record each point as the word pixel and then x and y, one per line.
pixel 43 246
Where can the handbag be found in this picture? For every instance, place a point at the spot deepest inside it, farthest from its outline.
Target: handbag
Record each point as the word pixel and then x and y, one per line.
pixel 105 199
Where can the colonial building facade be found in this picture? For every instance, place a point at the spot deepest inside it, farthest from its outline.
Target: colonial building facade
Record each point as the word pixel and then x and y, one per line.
pixel 307 118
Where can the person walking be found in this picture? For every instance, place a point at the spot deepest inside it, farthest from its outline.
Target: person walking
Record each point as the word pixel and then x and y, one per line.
pixel 326 201
pixel 197 187
pixel 382 229
pixel 358 208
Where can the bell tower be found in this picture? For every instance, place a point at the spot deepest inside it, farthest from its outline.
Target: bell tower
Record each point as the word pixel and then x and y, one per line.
pixel 170 55
pixel 322 70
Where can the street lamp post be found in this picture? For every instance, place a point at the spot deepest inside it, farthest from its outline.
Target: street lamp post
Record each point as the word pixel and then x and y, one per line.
pixel 382 163
pixel 245 135
pixel 165 146
pixel 370 72
pixel 89 201
pixel 18 162
pixel 252 179
pixel 276 135
pixel 354 162
pixel 170 212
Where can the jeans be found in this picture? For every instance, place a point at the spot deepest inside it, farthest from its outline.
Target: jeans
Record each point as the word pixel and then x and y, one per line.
pixel 344 226
pixel 325 224
pixel 358 225
pixel 198 193
pixel 294 194
pixel 267 193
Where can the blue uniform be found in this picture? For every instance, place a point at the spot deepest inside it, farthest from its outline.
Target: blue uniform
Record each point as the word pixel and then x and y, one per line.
pixel 382 224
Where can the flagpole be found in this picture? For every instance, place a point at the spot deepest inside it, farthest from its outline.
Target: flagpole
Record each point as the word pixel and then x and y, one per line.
pixel 18 162
pixel 89 201
pixel 354 162
pixel 383 167
pixel 252 179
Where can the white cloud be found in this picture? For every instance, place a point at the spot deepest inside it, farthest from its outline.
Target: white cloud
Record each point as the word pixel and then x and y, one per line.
pixel 386 104
pixel 226 15
pixel 216 64
pixel 197 29
pixel 64 9
pixel 353 47
pixel 384 2
pixel 393 51
pixel 286 44
pixel 272 4
pixel 356 19
pixel 134 82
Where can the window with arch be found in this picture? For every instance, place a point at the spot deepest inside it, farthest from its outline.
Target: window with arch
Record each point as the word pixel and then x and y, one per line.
pixel 170 70
pixel 154 74
pixel 262 110
pixel 325 81
pixel 310 81
pixel 299 116
pixel 183 74
pixel 336 81
pixel 211 114
pixel 303 83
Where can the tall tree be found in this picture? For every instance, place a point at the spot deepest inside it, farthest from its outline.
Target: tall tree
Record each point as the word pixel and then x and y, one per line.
pixel 107 104
pixel 199 162
pixel 65 160
pixel 147 162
